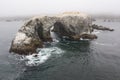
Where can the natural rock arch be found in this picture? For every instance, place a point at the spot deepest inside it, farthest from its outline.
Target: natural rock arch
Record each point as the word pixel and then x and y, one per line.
pixel 37 30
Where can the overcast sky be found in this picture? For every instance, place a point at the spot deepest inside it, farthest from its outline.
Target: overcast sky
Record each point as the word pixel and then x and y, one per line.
pixel 29 7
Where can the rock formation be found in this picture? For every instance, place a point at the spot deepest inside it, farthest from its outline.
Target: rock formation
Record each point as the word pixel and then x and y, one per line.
pixel 94 26
pixel 36 31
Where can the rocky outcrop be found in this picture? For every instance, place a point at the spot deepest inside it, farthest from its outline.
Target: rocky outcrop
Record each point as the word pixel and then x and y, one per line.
pixel 36 31
pixel 82 36
pixel 94 26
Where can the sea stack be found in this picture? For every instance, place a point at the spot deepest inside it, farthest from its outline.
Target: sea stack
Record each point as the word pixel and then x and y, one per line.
pixel 36 31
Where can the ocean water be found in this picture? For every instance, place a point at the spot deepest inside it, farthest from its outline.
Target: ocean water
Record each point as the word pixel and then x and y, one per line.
pixel 82 60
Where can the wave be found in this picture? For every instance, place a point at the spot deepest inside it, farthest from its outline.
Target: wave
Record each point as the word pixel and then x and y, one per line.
pixel 43 55
pixel 105 44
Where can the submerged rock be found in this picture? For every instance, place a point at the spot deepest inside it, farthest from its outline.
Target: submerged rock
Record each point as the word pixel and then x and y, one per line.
pixel 36 31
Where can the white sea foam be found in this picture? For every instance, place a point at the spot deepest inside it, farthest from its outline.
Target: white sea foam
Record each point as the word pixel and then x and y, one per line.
pixel 105 44
pixel 43 55
pixel 84 39
pixel 54 35
pixel 100 43
pixel 95 32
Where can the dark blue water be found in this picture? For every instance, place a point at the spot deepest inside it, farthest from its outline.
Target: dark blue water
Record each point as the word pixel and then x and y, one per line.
pixel 84 60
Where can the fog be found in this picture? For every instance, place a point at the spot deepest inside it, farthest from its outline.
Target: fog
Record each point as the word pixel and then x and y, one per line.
pixel 35 7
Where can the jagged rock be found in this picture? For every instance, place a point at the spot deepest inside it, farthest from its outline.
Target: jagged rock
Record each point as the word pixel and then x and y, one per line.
pixel 84 36
pixel 37 30
pixel 94 26
pixel 88 36
pixel 26 46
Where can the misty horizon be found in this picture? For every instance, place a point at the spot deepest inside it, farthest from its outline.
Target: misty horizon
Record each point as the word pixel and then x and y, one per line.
pixel 28 8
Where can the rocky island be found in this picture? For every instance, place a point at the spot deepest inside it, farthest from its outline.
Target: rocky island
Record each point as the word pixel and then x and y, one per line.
pixel 36 31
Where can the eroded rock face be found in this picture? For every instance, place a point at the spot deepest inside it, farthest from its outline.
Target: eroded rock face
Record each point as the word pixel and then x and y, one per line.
pixel 37 30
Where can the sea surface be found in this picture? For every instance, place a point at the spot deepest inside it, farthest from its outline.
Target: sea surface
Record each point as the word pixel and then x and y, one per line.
pixel 68 60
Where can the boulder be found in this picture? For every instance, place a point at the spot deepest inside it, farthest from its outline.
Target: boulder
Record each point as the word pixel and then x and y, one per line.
pixel 36 31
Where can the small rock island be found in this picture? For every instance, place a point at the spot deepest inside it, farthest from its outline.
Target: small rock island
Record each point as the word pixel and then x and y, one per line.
pixel 36 31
